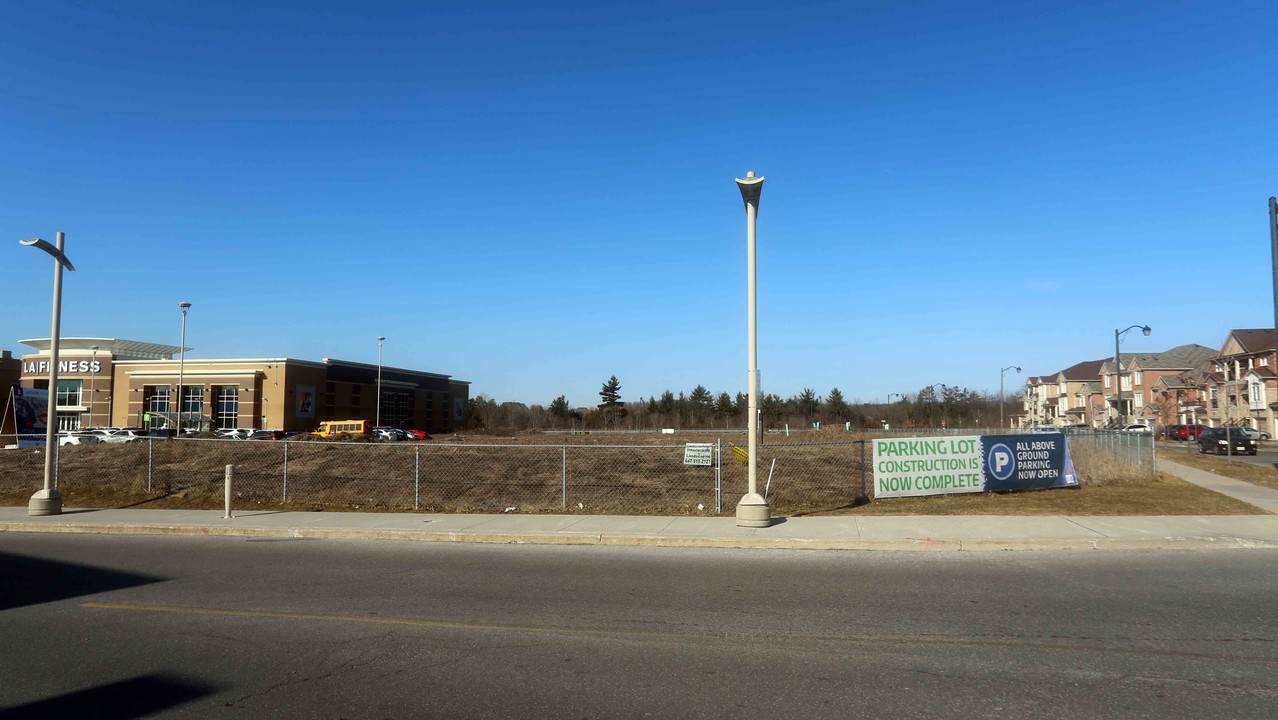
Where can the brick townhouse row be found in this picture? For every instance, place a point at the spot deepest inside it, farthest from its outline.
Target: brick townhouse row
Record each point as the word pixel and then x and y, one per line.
pixel 1235 385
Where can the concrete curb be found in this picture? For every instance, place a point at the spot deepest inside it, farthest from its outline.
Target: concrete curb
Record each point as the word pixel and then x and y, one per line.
pixel 629 540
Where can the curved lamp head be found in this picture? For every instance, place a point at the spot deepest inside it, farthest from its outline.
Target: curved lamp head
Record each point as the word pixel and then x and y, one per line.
pixel 751 188
pixel 50 248
pixel 1146 330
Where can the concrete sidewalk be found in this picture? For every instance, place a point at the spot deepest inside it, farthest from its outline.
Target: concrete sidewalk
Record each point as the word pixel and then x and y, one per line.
pixel 916 533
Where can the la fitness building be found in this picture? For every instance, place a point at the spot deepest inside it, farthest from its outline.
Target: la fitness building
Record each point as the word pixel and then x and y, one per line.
pixel 105 382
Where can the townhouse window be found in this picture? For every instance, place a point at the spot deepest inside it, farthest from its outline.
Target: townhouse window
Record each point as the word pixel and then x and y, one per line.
pixel 1127 382
pixel 1106 382
pixel 1264 361
pixel 1138 401
pixel 1136 377
pixel 1257 395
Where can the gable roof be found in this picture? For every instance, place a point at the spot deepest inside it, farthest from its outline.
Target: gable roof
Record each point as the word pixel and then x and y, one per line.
pixel 1251 340
pixel 1084 371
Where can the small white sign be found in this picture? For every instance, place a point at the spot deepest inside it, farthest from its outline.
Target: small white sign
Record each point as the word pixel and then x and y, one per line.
pixel 698 454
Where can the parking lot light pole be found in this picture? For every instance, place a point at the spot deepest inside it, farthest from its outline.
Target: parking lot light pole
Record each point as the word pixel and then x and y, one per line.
pixel 1118 368
pixel 93 383
pixel 1000 391
pixel 47 500
pixel 181 365
pixel 753 510
pixel 380 340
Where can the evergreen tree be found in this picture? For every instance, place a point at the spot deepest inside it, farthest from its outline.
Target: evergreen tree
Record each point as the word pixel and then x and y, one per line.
pixel 700 403
pixel 612 408
pixel 807 404
pixel 559 407
pixel 724 407
pixel 837 406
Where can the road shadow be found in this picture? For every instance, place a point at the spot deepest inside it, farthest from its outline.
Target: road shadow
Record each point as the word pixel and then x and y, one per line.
pixel 31 581
pixel 133 698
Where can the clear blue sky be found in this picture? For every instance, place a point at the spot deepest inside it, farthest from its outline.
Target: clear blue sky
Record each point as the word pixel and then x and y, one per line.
pixel 536 196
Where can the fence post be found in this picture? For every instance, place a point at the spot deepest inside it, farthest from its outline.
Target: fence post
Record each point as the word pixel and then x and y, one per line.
pixel 149 442
pixel 563 476
pixel 718 476
pixel 865 493
pixel 285 471
pixel 57 460
pixel 230 472
pixel 417 477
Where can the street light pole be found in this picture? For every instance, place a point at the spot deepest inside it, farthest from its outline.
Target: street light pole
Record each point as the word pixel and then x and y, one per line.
pixel 1001 375
pixel 753 510
pixel 1118 367
pixel 181 365
pixel 47 500
pixel 380 340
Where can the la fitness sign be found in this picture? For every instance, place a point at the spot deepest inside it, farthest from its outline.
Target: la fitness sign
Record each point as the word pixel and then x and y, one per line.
pixel 41 367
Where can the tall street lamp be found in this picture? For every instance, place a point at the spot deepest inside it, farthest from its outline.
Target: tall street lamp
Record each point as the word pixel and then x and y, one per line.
pixel 380 340
pixel 753 510
pixel 1002 375
pixel 182 365
pixel 93 383
pixel 47 500
pixel 1118 367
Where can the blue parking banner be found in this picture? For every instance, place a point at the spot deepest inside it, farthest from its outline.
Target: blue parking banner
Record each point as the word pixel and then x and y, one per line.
pixel 1026 462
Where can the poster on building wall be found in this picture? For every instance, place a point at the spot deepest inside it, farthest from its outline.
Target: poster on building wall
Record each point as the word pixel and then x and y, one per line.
pixel 305 401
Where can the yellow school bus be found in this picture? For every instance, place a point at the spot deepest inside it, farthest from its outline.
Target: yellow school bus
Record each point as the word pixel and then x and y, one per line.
pixel 336 427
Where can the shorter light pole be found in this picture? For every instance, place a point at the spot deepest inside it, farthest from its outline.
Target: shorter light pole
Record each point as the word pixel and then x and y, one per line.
pixel 380 340
pixel 93 383
pixel 181 364
pixel 47 500
pixel 1001 375
pixel 1118 367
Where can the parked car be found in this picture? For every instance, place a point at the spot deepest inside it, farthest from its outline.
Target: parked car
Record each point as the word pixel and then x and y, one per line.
pixel 266 435
pixel 233 433
pixel 389 434
pixel 415 434
pixel 119 436
pixel 1138 428
pixel 1226 440
pixel 1253 433
pixel 77 437
pixel 1185 432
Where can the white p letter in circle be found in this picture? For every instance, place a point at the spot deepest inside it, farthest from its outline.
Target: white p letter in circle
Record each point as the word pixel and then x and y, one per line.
pixel 1001 461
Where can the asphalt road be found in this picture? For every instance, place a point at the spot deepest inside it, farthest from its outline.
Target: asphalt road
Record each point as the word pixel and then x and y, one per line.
pixel 122 627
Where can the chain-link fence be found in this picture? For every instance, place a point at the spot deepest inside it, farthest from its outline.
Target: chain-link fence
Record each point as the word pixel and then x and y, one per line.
pixel 451 476
pixel 1137 449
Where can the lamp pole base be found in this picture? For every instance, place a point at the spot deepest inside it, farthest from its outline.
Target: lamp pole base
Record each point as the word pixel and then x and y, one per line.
pixel 45 502
pixel 753 511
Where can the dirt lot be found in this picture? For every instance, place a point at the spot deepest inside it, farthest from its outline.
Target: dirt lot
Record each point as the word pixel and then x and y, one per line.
pixel 827 473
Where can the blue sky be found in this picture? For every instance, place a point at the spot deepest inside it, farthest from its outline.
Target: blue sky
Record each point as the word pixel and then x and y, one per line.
pixel 535 197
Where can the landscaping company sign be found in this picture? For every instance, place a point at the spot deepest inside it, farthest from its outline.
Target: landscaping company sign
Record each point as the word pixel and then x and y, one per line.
pixel 907 467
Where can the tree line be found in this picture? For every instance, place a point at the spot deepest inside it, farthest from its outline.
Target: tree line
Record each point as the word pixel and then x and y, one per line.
pixel 934 406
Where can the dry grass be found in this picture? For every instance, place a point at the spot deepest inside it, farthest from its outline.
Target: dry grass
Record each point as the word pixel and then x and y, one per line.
pixel 822 473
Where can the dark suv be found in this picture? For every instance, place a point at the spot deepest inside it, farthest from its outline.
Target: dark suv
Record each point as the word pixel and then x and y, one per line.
pixel 1216 440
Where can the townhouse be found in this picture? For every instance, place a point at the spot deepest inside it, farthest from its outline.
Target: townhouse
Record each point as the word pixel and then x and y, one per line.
pixel 1241 387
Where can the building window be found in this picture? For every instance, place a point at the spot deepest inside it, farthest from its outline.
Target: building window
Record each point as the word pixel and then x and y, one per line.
pixel 69 393
pixel 192 403
pixel 1138 402
pixel 1127 382
pixel 1257 395
pixel 1136 374
pixel 228 407
pixel 357 400
pixel 1106 382
pixel 156 401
